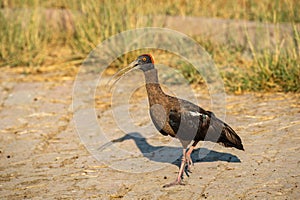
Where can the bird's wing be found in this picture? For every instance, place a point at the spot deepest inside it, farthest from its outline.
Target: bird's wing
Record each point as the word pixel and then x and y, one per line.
pixel 188 124
pixel 192 122
pixel 222 133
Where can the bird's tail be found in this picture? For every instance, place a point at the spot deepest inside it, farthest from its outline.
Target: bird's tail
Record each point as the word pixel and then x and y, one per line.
pixel 229 138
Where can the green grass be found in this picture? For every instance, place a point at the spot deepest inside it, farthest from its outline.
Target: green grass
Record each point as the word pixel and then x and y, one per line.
pixel 29 38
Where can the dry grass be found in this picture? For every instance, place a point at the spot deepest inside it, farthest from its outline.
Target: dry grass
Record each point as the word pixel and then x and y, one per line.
pixel 42 33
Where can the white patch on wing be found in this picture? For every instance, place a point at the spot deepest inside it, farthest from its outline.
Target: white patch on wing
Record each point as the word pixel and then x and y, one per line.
pixel 195 114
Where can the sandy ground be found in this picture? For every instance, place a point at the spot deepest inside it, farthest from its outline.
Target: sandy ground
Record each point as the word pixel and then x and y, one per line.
pixel 43 157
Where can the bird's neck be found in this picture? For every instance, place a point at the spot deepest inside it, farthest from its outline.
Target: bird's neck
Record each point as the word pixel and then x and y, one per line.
pixel 153 88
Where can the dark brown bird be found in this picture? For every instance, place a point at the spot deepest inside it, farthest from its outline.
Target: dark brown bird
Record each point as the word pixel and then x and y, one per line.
pixel 180 118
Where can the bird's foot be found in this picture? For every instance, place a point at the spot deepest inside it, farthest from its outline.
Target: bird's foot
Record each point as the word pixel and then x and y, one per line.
pixel 177 182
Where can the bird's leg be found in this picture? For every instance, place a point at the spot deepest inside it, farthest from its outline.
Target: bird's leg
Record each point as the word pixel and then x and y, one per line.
pixel 183 162
pixel 182 166
pixel 188 158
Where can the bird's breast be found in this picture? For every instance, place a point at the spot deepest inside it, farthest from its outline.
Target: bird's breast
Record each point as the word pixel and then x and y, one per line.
pixel 160 118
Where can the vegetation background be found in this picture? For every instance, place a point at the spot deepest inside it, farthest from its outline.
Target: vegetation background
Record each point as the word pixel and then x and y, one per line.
pixel 38 36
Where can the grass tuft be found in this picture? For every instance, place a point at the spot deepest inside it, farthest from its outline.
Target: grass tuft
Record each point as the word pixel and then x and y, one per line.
pixel 36 32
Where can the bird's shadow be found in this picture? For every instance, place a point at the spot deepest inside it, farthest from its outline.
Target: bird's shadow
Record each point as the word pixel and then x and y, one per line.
pixel 165 154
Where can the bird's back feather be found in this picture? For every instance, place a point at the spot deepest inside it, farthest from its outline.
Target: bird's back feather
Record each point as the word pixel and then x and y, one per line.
pixel 192 122
pixel 222 133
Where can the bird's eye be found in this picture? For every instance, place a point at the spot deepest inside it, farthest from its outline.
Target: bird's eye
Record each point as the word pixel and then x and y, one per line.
pixel 144 59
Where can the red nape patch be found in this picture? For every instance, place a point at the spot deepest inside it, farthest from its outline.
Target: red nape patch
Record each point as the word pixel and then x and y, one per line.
pixel 146 54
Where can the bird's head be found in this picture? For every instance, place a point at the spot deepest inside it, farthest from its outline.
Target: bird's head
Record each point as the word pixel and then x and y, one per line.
pixel 144 62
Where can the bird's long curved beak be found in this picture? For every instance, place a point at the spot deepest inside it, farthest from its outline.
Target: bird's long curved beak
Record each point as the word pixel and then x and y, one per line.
pixel 132 66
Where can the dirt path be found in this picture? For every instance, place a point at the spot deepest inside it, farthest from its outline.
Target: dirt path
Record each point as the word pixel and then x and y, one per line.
pixel 42 156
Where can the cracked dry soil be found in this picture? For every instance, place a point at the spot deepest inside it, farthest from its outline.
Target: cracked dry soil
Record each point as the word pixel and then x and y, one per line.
pixel 42 157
